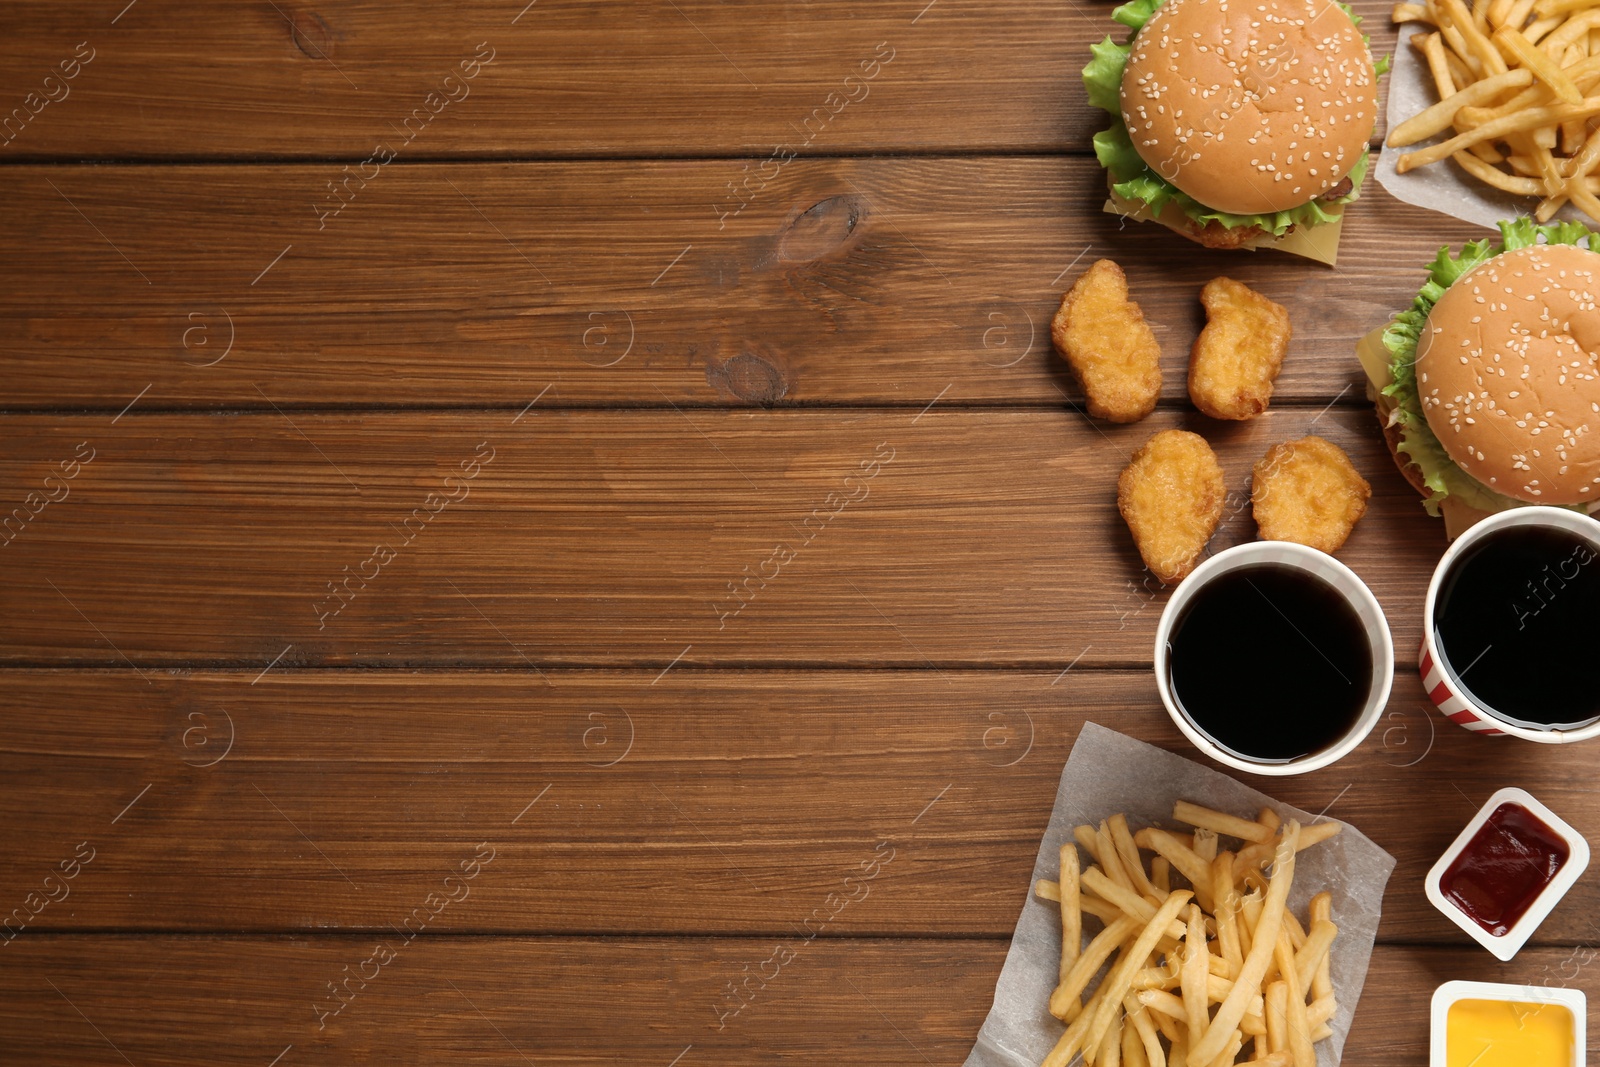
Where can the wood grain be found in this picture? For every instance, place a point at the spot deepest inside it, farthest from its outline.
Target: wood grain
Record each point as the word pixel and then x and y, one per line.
pixel 181 1001
pixel 882 282
pixel 324 78
pixel 602 538
pixel 706 802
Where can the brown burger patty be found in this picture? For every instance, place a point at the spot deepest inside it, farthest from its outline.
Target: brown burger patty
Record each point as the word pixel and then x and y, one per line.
pixel 1215 235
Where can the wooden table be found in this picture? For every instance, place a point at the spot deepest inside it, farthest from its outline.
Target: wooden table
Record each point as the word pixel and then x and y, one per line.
pixel 556 489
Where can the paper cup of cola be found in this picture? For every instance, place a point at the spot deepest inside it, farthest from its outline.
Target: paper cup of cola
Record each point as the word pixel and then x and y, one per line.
pixel 1512 625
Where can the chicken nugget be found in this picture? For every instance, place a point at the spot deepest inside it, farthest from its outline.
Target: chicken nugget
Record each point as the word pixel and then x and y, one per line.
pixel 1238 355
pixel 1104 339
pixel 1306 491
pixel 1171 498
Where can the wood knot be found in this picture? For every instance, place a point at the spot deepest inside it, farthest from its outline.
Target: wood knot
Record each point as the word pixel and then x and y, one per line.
pixel 824 227
pixel 311 34
pixel 749 377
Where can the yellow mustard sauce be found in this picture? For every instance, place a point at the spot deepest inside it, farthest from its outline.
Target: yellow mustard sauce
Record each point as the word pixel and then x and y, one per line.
pixel 1504 1033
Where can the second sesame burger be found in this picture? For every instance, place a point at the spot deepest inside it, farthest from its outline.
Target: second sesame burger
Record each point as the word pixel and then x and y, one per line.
pixel 1237 123
pixel 1489 385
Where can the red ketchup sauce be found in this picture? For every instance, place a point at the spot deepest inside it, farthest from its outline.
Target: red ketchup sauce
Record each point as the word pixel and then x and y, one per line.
pixel 1504 868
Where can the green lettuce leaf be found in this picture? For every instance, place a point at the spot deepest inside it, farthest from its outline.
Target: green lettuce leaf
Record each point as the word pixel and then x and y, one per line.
pixel 1133 179
pixel 1417 439
pixel 1135 13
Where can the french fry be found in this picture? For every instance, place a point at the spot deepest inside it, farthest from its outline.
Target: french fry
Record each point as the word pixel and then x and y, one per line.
pixel 1227 904
pixel 1184 860
pixel 1536 31
pixel 1145 1028
pixel 1537 62
pixel 1157 978
pixel 1297 933
pixel 1128 852
pixel 1107 913
pixel 1167 1027
pixel 1069 1044
pixel 1309 956
pixel 1110 861
pixel 1299 1030
pixel 1221 822
pixel 1263 942
pixel 1089 841
pixel 1071 915
pixel 1546 8
pixel 1479 45
pixel 1520 11
pixel 1097 909
pixel 1229 1052
pixel 1277 1016
pixel 1109 1052
pixel 1091 960
pixel 1577 25
pixel 1321 910
pixel 1252 857
pixel 1205 844
pixel 1440 116
pixel 1470 63
pixel 1583 197
pixel 1161 874
pixel 1194 975
pixel 1499 179
pixel 1163 1003
pixel 1132 1052
pixel 1130 903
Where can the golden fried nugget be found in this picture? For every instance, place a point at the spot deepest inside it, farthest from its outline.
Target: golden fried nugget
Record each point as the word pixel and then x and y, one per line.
pixel 1238 355
pixel 1306 491
pixel 1103 336
pixel 1171 498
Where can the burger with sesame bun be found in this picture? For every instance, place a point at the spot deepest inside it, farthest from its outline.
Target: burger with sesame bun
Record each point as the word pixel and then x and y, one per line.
pixel 1237 123
pixel 1489 386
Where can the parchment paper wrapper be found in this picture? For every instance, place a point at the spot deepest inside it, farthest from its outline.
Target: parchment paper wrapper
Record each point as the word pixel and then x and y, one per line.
pixel 1441 186
pixel 1109 772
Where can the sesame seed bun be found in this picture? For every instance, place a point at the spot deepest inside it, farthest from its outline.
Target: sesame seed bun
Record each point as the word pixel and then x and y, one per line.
pixel 1508 371
pixel 1250 106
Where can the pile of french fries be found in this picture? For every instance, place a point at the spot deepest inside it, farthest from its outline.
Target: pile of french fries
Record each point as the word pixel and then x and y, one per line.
pixel 1519 87
pixel 1200 972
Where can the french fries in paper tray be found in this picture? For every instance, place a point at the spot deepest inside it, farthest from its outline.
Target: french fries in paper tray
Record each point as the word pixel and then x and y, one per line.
pixel 1178 917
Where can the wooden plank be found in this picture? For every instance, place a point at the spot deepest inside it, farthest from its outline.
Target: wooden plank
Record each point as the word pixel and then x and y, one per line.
pixel 884 281
pixel 707 802
pixel 618 538
pixel 549 78
pixel 176 1001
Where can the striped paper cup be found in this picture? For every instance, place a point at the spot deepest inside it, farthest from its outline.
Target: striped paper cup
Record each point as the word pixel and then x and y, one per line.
pixel 1452 698
pixel 1335 574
